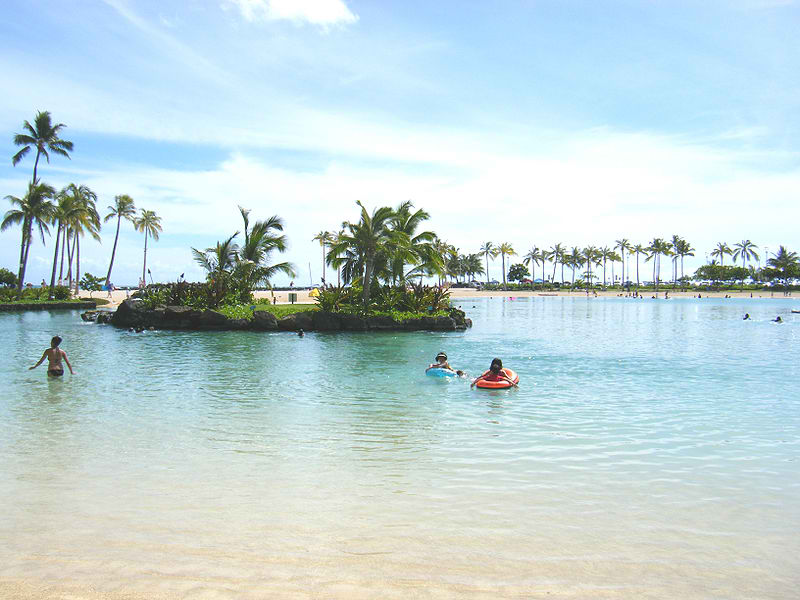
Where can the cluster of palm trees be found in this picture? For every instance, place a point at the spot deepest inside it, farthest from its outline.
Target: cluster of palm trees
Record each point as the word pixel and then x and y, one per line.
pixel 234 270
pixel 586 261
pixel 384 244
pixel 72 212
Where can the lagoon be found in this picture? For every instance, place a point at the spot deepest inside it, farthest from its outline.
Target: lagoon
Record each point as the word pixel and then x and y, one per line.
pixel 651 451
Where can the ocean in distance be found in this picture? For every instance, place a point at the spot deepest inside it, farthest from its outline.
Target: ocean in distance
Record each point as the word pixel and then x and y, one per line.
pixel 651 451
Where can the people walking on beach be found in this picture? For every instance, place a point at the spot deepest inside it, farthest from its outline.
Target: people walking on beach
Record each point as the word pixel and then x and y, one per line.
pixel 495 373
pixel 54 355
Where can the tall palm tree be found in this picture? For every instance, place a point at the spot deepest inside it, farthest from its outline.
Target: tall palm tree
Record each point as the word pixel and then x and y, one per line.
pixel 606 254
pixel 657 248
pixel 35 208
pixel 784 261
pixel 149 224
pixel 533 256
pixel 590 255
pixel 488 250
pixel 84 218
pixel 720 251
pixel 323 237
pixel 747 251
pixel 43 136
pixel 684 249
pixel 638 249
pixel 123 209
pixel 504 250
pixel 366 241
pixel 64 212
pixel 624 246
pixel 557 254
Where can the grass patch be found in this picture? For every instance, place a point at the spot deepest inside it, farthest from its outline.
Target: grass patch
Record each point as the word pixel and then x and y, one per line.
pixel 282 310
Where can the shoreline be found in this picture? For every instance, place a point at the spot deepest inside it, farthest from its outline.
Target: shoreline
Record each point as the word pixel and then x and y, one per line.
pixel 303 296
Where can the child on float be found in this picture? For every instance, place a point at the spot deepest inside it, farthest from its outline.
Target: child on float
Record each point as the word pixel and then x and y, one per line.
pixel 441 363
pixel 495 373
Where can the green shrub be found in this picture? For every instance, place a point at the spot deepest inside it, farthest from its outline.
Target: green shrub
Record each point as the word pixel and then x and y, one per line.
pixel 61 292
pixel 8 294
pixel 7 278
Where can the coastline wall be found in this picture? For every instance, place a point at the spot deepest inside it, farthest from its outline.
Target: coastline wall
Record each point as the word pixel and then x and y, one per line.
pixel 16 307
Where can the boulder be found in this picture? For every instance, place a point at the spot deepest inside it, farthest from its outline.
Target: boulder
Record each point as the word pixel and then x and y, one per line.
pixel 128 314
pixel 264 320
pixel 352 323
pixel 211 319
pixel 382 324
pixel 325 321
pixel 296 321
pixel 90 316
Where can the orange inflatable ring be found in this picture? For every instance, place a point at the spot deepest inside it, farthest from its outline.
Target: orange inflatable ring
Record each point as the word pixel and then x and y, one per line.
pixel 499 385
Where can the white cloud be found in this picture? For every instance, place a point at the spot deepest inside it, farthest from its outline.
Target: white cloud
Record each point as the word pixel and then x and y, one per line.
pixel 317 12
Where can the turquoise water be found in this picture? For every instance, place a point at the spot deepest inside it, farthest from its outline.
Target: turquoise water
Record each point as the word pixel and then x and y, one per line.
pixel 650 451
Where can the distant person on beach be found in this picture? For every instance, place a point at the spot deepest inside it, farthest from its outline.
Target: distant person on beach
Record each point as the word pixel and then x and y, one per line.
pixel 44 283
pixel 746 317
pixel 54 354
pixel 110 288
pixel 495 373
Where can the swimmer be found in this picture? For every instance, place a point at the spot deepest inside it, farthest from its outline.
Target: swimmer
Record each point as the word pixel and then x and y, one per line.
pixel 441 363
pixel 301 333
pixel 777 319
pixel 495 373
pixel 54 354
pixel 746 317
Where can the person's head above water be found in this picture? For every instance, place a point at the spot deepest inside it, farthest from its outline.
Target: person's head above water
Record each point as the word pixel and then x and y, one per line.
pixel 55 341
pixel 496 365
pixel 441 357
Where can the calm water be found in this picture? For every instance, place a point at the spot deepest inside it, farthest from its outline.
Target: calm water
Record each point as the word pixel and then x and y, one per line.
pixel 651 452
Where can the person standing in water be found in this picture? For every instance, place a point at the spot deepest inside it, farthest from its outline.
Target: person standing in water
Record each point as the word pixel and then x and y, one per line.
pixel 54 355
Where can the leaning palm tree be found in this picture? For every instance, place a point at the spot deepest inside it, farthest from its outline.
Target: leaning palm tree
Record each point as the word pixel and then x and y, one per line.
pixel 43 136
pixel 123 209
pixel 504 250
pixel 720 251
pixel 260 242
pixel 149 224
pixel 557 254
pixel 35 208
pixel 63 213
pixel 488 250
pixel 784 261
pixel 411 247
pixel 533 256
pixel 684 249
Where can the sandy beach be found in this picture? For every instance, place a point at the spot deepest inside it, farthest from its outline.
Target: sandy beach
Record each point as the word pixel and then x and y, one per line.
pixel 282 297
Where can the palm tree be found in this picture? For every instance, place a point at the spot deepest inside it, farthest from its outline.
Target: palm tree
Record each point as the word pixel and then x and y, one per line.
pixel 488 250
pixel 35 208
pixel 638 249
pixel 747 251
pixel 323 237
pixel 624 246
pixel 62 214
pixel 366 241
pixel 533 256
pixel 410 247
pixel 149 224
pixel 504 250
pixel 557 254
pixel 123 209
pixel 84 218
pixel 684 249
pixel 260 242
pixel 43 136
pixel 784 261
pixel 657 247
pixel 720 251
pixel 606 254
pixel 590 255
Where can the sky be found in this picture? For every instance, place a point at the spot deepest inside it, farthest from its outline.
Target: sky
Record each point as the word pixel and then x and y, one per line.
pixel 527 122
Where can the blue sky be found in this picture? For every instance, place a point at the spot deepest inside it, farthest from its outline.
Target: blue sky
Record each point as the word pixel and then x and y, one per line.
pixel 525 122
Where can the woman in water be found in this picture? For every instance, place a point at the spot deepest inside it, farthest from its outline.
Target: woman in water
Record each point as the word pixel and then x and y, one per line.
pixel 54 354
pixel 495 373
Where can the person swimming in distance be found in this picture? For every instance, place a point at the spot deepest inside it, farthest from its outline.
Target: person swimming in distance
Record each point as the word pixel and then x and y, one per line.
pixel 777 319
pixel 54 355
pixel 301 333
pixel 495 373
pixel 746 317
pixel 441 363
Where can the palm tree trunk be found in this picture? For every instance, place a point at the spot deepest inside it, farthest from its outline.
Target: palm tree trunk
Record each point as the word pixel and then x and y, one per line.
pixel 77 262
pixel 71 257
pixel 367 280
pixel 533 272
pixel 63 248
pixel 21 271
pixel 637 270
pixel 505 286
pixel 487 267
pixel 323 263
pixel 113 252
pixel 69 261
pixel 144 263
pixel 55 260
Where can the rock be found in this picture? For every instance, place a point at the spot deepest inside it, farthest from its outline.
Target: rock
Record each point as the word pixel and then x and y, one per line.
pixel 263 320
pixel 301 320
pixel 326 321
pixel 211 319
pixel 90 316
pixel 128 314
pixel 382 324
pixel 352 323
